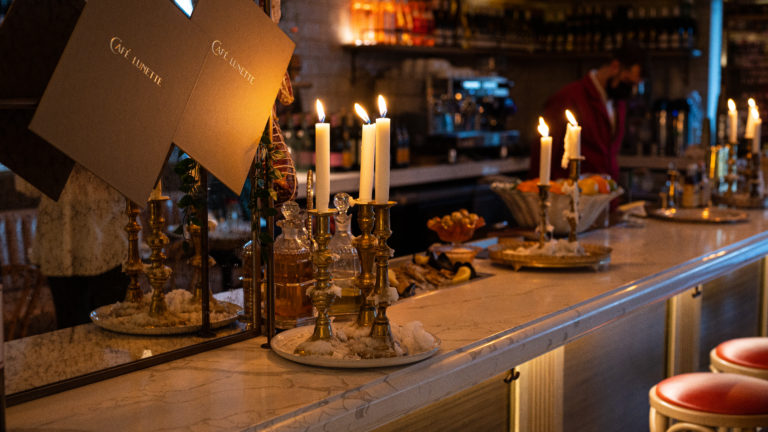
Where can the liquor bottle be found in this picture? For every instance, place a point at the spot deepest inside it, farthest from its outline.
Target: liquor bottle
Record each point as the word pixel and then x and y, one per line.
pixel 388 22
pixel 346 264
pixel 403 147
pixel 676 29
pixel 293 269
pixel 609 31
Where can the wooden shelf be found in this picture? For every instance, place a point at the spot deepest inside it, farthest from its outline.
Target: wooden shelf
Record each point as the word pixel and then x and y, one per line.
pixel 520 51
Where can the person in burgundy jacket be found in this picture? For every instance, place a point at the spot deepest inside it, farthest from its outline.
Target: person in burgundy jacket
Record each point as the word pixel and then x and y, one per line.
pixel 598 101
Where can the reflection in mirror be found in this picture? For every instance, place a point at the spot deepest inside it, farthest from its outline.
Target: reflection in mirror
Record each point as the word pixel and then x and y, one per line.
pixel 40 347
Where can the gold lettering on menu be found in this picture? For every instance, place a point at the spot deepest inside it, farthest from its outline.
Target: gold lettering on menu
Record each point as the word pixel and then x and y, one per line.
pixel 219 51
pixel 118 48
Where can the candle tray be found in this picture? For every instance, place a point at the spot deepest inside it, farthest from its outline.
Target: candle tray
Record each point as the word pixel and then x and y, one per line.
pixel 284 344
pixel 596 257
pixel 700 215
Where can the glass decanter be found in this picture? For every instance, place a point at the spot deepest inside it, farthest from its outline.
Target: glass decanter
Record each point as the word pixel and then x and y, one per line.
pixel 346 262
pixel 293 269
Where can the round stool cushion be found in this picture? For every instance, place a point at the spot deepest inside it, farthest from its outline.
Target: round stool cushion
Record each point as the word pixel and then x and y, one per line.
pixel 721 393
pixel 750 352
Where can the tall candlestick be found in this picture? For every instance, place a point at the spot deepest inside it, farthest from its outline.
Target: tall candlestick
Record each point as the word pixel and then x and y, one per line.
pixel 367 149
pixel 546 152
pixel 733 121
pixel 382 153
pixel 572 140
pixel 322 160
pixel 749 129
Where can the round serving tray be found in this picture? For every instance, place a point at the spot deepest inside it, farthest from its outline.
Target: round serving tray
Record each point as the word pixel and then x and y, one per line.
pixel 99 315
pixel 700 215
pixel 284 343
pixel 597 256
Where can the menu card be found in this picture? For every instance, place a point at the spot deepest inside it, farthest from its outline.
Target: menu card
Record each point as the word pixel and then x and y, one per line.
pixel 137 76
pixel 226 114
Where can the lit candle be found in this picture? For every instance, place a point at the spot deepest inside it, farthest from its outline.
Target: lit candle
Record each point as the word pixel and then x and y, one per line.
pixel 749 129
pixel 322 160
pixel 366 155
pixel 382 153
pixel 546 152
pixel 757 131
pixel 572 140
pixel 733 121
pixel 157 192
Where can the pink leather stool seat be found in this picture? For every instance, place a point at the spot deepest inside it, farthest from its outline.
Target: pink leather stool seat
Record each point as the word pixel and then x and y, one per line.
pixel 723 393
pixel 750 352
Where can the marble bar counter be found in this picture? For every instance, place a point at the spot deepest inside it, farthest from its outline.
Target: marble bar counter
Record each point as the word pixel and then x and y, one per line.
pixel 486 326
pixel 350 181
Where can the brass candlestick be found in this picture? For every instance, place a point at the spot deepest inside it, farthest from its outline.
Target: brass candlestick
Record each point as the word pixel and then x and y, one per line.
pixel 310 202
pixel 133 266
pixel 158 273
pixel 543 214
pixel 321 295
pixel 196 262
pixel 380 331
pixel 574 172
pixel 366 248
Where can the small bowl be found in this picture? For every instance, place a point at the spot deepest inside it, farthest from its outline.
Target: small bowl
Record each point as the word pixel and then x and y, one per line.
pixel 458 253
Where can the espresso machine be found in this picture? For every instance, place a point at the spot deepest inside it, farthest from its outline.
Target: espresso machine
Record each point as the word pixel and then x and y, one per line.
pixel 467 118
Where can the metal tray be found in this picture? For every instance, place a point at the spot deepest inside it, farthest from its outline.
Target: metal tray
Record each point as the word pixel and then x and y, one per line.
pixel 597 257
pixel 700 215
pixel 284 343
pixel 100 318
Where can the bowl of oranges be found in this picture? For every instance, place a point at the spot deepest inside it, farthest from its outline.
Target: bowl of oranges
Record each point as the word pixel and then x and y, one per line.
pixel 522 199
pixel 456 227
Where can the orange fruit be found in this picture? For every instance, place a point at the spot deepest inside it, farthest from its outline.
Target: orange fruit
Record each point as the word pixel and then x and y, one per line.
pixel 588 186
pixel 602 184
pixel 528 186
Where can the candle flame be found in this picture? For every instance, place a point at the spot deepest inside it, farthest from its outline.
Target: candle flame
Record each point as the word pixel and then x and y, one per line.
pixel 543 128
pixel 320 110
pixel 731 105
pixel 751 103
pixel 361 113
pixel 571 118
pixel 382 106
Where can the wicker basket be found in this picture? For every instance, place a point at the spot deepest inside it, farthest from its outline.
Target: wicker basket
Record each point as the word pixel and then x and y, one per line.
pixel 525 207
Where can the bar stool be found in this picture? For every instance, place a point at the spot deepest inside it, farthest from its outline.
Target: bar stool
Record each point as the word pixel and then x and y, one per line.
pixel 709 402
pixel 743 356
